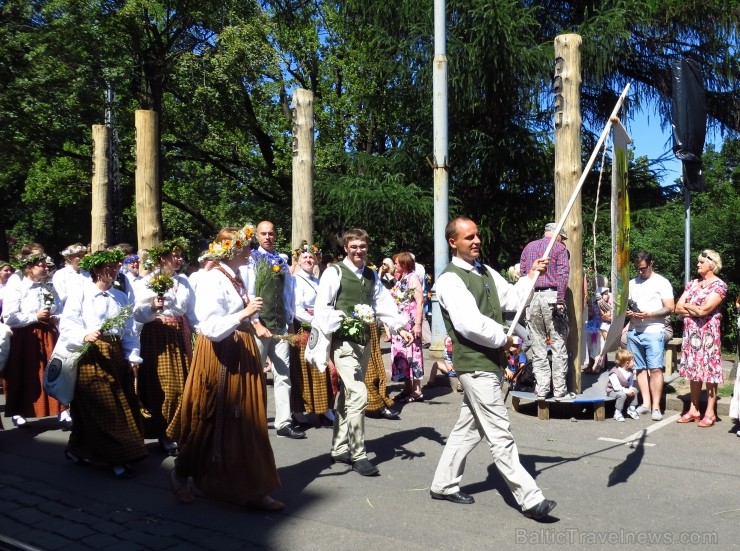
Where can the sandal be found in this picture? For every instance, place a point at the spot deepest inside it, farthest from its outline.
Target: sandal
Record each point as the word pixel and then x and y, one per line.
pixel 402 396
pixel 707 421
pixel 182 490
pixel 688 418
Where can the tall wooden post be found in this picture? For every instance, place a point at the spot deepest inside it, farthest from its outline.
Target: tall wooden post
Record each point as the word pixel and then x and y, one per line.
pixel 567 87
pixel 101 187
pixel 302 227
pixel 148 195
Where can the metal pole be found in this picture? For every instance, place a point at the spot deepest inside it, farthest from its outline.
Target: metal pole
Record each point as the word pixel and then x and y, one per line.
pixel 687 234
pixel 440 167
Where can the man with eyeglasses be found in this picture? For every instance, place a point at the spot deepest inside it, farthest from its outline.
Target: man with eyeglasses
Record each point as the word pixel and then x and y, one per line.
pixel 650 301
pixel 343 287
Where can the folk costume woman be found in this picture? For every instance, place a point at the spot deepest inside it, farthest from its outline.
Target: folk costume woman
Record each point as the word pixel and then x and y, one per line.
pixel 98 319
pixel 224 445
pixel 165 297
pixel 29 308
pixel 312 391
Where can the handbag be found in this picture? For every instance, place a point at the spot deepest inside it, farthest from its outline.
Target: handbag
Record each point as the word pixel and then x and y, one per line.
pixel 60 375
pixel 318 348
pixel 5 334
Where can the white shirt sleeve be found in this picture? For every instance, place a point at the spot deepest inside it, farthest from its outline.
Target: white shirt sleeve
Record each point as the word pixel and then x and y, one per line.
pixel 616 385
pixel 216 306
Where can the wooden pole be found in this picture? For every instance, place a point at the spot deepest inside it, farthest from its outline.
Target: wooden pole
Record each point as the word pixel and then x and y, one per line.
pixel 101 188
pixel 567 87
pixel 148 192
pixel 303 151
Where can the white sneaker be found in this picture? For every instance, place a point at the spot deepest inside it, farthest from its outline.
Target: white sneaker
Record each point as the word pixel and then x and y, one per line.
pixel 643 410
pixel 656 416
pixel 618 416
pixel 632 412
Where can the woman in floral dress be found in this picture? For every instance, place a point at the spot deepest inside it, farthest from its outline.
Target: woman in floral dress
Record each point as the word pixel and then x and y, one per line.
pixel 407 362
pixel 701 358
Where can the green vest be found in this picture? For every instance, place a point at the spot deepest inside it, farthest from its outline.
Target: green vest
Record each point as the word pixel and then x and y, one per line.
pixel 467 355
pixel 354 290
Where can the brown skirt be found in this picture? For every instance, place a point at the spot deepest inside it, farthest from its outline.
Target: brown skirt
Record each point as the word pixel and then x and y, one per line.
pixel 310 389
pixel 375 375
pixel 224 443
pixel 30 350
pixel 162 377
pixel 105 410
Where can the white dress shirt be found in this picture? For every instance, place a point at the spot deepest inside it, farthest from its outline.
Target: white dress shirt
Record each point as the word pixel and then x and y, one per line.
pixel 329 319
pixel 22 301
pixel 305 289
pixel 87 308
pixel 65 279
pixel 216 305
pixel 462 308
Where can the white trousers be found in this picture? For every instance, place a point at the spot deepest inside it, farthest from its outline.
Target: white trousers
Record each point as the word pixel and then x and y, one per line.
pixel 279 354
pixel 351 360
pixel 483 415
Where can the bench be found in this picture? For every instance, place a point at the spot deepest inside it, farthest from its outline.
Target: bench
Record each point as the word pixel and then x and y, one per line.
pixel 672 353
pixel 543 406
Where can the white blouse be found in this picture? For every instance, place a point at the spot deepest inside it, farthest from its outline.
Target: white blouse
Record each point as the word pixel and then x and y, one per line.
pixel 23 300
pixel 64 280
pixel 216 305
pixel 306 288
pixel 87 308
pixel 176 300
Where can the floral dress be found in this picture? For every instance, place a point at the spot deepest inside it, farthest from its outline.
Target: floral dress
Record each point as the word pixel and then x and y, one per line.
pixel 701 358
pixel 408 361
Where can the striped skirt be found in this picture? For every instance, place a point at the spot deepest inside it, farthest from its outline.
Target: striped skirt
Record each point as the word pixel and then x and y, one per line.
pixel 224 444
pixel 30 350
pixel 105 410
pixel 162 376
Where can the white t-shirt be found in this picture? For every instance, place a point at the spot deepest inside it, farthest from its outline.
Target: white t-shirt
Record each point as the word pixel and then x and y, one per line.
pixel 649 295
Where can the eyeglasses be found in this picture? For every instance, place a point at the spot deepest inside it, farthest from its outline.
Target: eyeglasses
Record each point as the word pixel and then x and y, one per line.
pixel 642 268
pixel 705 255
pixel 357 247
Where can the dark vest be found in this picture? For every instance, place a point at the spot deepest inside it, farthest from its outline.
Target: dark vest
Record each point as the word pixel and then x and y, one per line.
pixel 354 290
pixel 470 356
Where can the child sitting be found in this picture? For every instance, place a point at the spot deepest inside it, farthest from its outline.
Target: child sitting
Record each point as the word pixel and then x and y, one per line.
pixel 621 385
pixel 516 359
pixel 444 367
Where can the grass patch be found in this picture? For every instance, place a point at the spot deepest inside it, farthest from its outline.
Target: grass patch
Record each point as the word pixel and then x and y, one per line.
pixel 682 386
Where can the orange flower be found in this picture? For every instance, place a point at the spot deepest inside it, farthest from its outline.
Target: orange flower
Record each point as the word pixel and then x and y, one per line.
pixel 276 268
pixel 226 243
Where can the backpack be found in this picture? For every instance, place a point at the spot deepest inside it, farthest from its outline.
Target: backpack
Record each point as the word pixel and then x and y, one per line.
pixel 525 381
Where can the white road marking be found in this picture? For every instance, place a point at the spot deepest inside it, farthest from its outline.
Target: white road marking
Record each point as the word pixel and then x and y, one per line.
pixel 640 434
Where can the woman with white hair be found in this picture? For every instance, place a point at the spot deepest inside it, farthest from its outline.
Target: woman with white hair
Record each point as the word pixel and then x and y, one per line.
pixel 701 353
pixel 67 278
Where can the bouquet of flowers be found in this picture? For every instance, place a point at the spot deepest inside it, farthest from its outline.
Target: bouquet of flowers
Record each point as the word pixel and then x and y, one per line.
pixel 160 284
pixel 116 322
pixel 46 297
pixel 267 267
pixel 405 296
pixel 354 325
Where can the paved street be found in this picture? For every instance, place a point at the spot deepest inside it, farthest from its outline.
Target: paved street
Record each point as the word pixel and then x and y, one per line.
pixel 637 484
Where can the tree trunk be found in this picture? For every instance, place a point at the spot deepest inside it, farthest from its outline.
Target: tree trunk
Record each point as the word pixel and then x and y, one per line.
pixel 148 194
pixel 567 87
pixel 302 167
pixel 101 188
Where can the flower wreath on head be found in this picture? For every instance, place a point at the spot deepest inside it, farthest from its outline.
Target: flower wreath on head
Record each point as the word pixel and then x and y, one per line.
pixel 23 262
pixel 164 248
pixel 306 248
pixel 101 258
pixel 74 250
pixel 225 249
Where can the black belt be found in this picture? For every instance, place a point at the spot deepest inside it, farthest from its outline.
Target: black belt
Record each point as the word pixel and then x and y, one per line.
pixel 539 289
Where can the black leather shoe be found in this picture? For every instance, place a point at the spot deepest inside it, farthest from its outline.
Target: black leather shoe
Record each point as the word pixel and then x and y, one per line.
pixel 541 510
pixel 345 458
pixel 365 468
pixel 457 497
pixel 123 471
pixel 291 432
pixel 168 446
pixel 389 414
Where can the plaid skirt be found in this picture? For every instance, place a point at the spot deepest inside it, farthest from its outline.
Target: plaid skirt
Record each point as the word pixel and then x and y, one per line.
pixel 224 444
pixel 162 377
pixel 30 350
pixel 375 375
pixel 105 410
pixel 311 390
